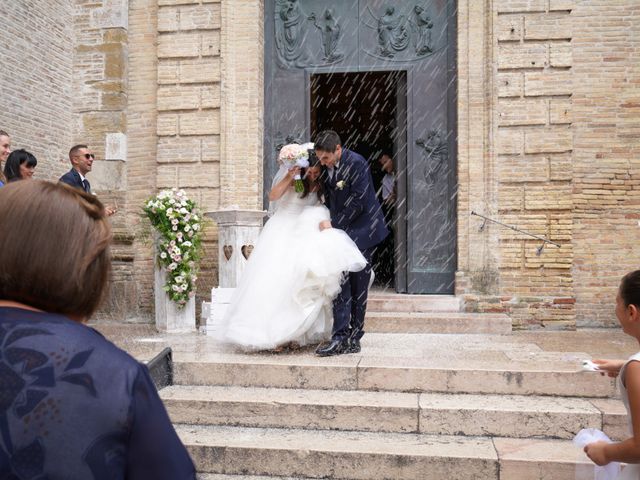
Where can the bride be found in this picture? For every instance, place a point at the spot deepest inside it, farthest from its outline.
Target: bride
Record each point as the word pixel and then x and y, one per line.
pixel 294 273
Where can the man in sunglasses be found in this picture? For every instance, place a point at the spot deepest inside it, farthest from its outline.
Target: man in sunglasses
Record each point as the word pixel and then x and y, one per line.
pixel 81 159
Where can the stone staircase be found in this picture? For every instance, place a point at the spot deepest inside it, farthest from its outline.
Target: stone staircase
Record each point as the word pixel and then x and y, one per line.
pixel 409 406
pixel 394 313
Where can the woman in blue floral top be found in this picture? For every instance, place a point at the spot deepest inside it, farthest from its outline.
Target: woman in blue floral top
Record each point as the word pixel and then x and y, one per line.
pixel 73 406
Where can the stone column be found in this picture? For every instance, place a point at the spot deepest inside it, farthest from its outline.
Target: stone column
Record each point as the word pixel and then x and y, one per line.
pixel 238 232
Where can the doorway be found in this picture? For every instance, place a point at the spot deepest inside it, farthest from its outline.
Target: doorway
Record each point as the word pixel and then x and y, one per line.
pixel 369 112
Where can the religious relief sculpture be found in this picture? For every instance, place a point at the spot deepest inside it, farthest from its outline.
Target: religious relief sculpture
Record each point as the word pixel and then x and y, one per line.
pixel 435 154
pixel 436 172
pixel 423 27
pixel 393 35
pixel 289 30
pixel 330 31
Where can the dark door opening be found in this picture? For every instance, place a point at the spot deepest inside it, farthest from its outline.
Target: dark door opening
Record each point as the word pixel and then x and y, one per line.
pixel 369 112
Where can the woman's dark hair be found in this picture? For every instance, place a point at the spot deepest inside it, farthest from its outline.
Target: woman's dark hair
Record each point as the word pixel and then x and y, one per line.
pixel 17 158
pixel 54 248
pixel 630 288
pixel 327 141
pixel 308 184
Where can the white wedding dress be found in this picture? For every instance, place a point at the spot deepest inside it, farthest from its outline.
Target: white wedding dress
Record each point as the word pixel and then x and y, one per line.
pixel 292 276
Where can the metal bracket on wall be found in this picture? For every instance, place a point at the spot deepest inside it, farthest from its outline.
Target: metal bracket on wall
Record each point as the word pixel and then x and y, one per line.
pixel 488 219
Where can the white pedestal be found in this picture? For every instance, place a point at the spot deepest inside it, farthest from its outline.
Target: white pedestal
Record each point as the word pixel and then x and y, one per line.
pixel 238 231
pixel 170 318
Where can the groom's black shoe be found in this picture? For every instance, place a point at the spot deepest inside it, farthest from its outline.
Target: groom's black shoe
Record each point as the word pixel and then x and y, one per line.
pixel 336 346
pixel 353 346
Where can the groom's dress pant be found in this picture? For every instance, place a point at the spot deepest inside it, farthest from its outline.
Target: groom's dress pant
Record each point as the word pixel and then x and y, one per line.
pixel 350 306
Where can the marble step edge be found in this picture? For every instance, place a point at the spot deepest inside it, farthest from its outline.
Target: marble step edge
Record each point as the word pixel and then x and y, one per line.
pixel 413 303
pixel 439 414
pixel 437 322
pixel 366 456
pixel 351 372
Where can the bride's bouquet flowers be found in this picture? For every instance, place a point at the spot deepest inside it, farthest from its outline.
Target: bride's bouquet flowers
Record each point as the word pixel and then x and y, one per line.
pixel 295 155
pixel 176 218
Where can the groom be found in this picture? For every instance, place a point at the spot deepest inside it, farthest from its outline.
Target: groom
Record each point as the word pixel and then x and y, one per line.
pixel 351 200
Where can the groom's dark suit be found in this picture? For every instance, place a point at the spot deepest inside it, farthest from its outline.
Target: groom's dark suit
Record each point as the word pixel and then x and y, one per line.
pixel 351 200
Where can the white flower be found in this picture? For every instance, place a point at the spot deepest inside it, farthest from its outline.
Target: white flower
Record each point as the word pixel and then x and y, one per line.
pixel 174 228
pixel 190 234
pixel 172 201
pixel 179 279
pixel 187 244
pixel 195 218
pixel 340 185
pixel 174 288
pixel 163 255
pixel 172 266
pixel 187 228
pixel 196 226
pixel 175 221
pixel 183 211
pixel 169 211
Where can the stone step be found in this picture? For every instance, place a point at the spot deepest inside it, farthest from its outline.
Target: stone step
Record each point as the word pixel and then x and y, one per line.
pixel 354 372
pixel 396 302
pixel 221 476
pixel 439 414
pixel 437 322
pixel 375 456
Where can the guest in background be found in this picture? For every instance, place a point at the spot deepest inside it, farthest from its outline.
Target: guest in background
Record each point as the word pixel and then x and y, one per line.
pixel 74 406
pixel 81 158
pixel 384 263
pixel 5 150
pixel 20 165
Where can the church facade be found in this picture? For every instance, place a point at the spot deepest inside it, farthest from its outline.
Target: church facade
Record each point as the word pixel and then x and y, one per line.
pixel 523 111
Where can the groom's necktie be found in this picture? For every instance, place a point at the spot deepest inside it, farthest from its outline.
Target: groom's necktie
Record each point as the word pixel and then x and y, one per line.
pixel 86 186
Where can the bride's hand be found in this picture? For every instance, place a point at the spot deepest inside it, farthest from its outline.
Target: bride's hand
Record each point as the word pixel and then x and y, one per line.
pixel 325 224
pixel 293 172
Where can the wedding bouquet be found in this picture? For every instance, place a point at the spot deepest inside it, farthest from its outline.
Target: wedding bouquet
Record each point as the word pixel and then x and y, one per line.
pixel 295 155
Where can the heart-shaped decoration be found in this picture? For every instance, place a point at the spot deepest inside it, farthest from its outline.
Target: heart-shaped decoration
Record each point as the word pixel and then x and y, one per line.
pixel 246 251
pixel 228 251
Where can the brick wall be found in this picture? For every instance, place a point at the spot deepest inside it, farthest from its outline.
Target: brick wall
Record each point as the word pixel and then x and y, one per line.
pixel 606 119
pixel 188 112
pixel 36 83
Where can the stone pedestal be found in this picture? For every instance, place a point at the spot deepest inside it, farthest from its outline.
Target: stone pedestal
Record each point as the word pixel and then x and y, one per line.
pixel 238 231
pixel 170 318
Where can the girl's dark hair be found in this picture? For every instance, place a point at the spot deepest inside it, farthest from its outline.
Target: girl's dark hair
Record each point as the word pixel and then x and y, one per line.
pixel 308 184
pixel 17 158
pixel 630 288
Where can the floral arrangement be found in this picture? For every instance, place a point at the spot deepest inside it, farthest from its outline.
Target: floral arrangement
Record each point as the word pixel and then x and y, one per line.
pixel 295 155
pixel 175 217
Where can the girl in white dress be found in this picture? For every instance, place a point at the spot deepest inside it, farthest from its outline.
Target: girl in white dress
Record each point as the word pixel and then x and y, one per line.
pixel 294 272
pixel 628 373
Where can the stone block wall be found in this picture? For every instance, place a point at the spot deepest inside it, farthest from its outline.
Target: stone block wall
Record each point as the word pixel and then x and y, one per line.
pixel 36 83
pixel 188 101
pixel 606 168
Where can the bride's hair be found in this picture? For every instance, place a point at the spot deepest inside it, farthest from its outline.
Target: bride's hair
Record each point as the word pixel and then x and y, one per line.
pixel 308 184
